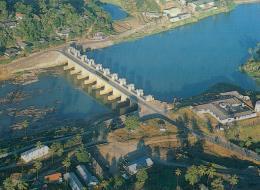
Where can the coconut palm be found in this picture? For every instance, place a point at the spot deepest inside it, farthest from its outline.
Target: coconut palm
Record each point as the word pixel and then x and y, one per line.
pixel 191 175
pixel 25 125
pixel 37 166
pixel 178 173
pixel 202 170
pixel 217 184
pixel 233 180
pixel 39 144
pixel 211 172
pixel 8 184
pixel 66 163
pixel 21 185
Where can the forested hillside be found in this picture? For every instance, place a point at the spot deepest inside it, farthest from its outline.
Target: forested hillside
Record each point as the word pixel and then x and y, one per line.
pixel 39 21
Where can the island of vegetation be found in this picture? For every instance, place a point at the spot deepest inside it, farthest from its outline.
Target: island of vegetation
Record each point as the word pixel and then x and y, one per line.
pixel 252 67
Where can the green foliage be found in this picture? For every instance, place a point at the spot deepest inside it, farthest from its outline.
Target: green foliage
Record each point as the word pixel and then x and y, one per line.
pixel 191 175
pixel 217 184
pixel 82 155
pixel 13 184
pixel 132 122
pixel 43 18
pixel 141 176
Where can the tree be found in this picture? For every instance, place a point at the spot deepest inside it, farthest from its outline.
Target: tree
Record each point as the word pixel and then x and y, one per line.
pixel 233 180
pixel 141 176
pixel 202 170
pixel 21 185
pixel 56 149
pixel 178 173
pixel 211 172
pixel 37 166
pixel 132 122
pixel 66 163
pixel 8 184
pixel 217 184
pixel 118 182
pixel 249 142
pixel 39 144
pixel 82 155
pixel 191 175
pixel 25 125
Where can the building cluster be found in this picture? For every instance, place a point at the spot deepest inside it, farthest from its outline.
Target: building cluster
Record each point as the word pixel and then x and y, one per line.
pixel 81 178
pixel 179 10
pixel 140 163
pixel 229 107
pixel 105 72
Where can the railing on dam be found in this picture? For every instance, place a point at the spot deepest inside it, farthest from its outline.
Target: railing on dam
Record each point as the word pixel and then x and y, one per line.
pixel 105 74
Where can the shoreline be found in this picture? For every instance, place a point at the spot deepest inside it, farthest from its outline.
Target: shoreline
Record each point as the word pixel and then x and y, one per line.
pixel 48 58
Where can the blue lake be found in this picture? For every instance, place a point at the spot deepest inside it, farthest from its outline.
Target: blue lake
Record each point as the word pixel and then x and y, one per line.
pixel 115 11
pixel 188 60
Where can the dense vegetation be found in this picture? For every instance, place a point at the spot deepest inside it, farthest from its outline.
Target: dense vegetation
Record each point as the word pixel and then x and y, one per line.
pixel 140 5
pixel 40 20
pixel 252 67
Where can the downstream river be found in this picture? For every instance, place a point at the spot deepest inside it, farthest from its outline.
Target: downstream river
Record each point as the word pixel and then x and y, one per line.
pixel 180 63
pixel 188 60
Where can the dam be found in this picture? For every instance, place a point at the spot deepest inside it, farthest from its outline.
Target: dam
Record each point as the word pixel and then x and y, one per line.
pixel 109 84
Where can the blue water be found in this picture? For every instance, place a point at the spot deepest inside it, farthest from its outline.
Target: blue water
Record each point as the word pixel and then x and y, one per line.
pixel 188 60
pixel 115 11
pixel 59 92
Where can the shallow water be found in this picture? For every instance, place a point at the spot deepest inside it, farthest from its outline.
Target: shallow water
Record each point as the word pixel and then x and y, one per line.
pixel 115 11
pixel 188 60
pixel 55 92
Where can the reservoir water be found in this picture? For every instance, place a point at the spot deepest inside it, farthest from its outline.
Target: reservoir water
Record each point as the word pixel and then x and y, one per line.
pixel 183 62
pixel 115 12
pixel 188 60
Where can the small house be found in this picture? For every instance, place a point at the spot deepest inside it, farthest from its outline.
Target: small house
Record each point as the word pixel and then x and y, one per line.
pixel 56 177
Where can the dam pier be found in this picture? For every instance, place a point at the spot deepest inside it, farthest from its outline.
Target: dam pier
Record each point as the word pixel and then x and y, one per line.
pixel 109 84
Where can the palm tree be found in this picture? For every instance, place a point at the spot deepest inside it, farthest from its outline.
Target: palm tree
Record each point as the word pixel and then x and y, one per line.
pixel 233 180
pixel 66 163
pixel 178 173
pixel 192 176
pixel 25 125
pixel 37 166
pixel 211 172
pixel 21 185
pixel 217 184
pixel 8 184
pixel 202 170
pixel 39 144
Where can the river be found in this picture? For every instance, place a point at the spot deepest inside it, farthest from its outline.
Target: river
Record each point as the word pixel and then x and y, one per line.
pixel 188 60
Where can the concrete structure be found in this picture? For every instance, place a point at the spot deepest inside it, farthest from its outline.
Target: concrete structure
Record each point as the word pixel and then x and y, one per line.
pixel 102 79
pixel 226 109
pixel 73 181
pixel 34 153
pixel 173 12
pixel 138 164
pixel 86 176
pixel 152 14
pixel 11 52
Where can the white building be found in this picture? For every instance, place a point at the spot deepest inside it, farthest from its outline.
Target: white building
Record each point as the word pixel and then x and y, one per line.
pixel 73 181
pixel 257 106
pixel 141 163
pixel 173 12
pixel 35 153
